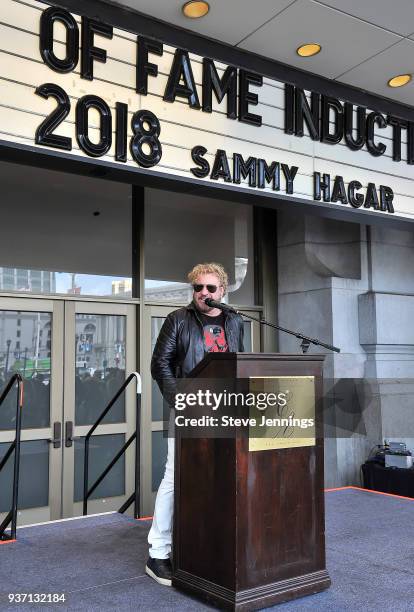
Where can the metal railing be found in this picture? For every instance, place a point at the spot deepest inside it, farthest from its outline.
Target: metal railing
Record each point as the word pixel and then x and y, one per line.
pixel 135 497
pixel 15 446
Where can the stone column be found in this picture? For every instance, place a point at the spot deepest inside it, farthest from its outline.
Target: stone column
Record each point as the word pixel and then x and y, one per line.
pixel 322 269
pixel 386 324
pixel 353 286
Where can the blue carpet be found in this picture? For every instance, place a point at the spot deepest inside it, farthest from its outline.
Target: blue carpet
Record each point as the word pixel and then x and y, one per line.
pixel 369 552
pixel 98 562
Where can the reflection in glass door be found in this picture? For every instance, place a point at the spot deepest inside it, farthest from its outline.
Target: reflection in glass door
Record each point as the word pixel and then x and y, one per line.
pixel 73 357
pixel 100 354
pixel 29 344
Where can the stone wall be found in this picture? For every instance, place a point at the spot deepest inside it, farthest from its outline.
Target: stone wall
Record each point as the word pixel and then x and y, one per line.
pixel 352 286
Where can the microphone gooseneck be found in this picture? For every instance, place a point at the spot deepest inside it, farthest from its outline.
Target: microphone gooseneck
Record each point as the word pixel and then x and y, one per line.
pixel 306 340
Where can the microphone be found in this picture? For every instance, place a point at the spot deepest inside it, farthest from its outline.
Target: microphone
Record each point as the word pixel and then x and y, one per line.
pixel 214 304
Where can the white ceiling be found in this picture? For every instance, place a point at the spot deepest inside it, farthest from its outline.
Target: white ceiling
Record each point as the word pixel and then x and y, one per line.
pixel 364 42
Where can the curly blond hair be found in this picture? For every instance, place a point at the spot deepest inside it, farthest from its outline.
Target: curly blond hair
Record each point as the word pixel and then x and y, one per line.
pixel 209 268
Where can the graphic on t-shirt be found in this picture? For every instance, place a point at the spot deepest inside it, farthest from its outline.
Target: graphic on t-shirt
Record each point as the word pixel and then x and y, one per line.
pixel 215 338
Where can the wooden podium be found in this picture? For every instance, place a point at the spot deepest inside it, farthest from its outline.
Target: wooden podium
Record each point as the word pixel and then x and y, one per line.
pixel 249 524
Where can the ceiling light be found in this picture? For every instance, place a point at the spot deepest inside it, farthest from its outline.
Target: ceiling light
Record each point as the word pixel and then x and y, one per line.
pixel 400 80
pixel 308 50
pixel 196 9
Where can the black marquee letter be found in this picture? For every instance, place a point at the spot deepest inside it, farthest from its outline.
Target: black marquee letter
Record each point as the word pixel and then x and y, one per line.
pixel 44 133
pixel 121 132
pixel 397 124
pixel 372 119
pixel 326 136
pixel 289 108
pixel 338 191
pixel 221 167
pixel 144 67
pixel 82 126
pixel 90 27
pixel 321 186
pixel 226 86
pixel 146 129
pixel 244 169
pixel 47 20
pixel 267 174
pixel 246 97
pixel 355 199
pixel 358 142
pixel 181 69
pixel 197 155
pixel 386 198
pixel 290 174
pixel 410 143
pixel 371 197
pixel 309 114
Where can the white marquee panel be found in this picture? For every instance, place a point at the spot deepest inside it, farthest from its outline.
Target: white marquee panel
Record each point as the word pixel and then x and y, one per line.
pixel 21 111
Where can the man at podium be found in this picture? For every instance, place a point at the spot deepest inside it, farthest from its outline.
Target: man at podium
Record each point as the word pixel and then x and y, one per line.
pixel 185 337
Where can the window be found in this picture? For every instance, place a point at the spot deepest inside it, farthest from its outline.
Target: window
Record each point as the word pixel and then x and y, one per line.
pixel 183 230
pixel 79 253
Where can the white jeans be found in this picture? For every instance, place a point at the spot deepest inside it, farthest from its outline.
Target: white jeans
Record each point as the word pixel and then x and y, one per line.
pixel 160 535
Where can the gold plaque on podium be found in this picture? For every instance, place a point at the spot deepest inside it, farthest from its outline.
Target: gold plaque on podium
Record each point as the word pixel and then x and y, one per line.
pixel 284 413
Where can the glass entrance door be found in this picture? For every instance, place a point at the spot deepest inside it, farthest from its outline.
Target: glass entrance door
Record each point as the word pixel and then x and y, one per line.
pixel 100 352
pixel 30 343
pixel 73 357
pixel 154 447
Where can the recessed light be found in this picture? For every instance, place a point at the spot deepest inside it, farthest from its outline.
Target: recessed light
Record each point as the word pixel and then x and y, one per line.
pixel 400 80
pixel 308 50
pixel 196 9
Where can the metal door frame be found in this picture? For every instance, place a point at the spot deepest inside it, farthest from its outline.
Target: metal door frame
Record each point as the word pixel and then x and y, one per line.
pixel 61 464
pixel 56 309
pixel 69 507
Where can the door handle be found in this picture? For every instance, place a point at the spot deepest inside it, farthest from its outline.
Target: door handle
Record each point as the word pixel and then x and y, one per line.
pixel 68 434
pixel 57 435
pixel 69 437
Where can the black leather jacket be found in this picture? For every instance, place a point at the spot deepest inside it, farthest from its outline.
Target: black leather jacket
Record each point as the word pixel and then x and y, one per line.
pixel 180 345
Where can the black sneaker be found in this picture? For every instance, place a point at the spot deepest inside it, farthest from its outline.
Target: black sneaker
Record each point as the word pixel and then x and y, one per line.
pixel 160 570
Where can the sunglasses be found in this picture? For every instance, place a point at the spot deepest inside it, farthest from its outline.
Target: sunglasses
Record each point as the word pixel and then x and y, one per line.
pixel 210 288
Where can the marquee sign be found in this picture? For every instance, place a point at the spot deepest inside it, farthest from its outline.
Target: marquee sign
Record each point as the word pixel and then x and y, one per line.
pixel 278 138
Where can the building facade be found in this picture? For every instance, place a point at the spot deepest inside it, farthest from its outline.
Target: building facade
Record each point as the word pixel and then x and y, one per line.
pixel 131 150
